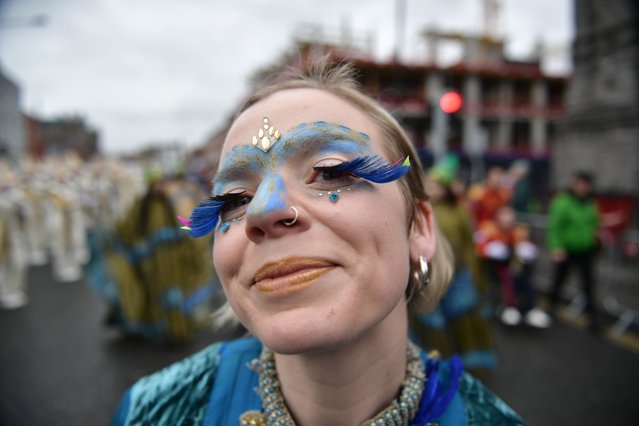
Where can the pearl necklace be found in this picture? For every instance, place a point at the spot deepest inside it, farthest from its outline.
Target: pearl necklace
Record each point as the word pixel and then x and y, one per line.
pixel 398 413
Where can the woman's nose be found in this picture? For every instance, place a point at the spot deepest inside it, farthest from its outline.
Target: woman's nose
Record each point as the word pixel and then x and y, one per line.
pixel 270 214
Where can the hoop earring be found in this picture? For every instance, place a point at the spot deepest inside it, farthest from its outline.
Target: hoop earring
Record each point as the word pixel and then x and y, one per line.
pixel 423 275
pixel 292 222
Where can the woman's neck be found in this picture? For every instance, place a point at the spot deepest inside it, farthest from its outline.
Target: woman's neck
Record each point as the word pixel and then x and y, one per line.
pixel 349 385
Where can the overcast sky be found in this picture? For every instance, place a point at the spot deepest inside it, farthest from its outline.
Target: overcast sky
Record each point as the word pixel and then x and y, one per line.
pixel 145 71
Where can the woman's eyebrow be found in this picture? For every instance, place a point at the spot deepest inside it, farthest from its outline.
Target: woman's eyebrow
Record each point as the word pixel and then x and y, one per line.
pixel 304 140
pixel 299 142
pixel 238 164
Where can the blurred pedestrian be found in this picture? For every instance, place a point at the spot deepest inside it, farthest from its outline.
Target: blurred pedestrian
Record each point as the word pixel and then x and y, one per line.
pixel 67 232
pixel 487 197
pixel 510 255
pixel 14 250
pixel 459 324
pixel 572 235
pixel 519 182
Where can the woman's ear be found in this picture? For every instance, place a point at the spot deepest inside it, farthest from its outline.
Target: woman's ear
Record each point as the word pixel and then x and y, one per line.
pixel 422 239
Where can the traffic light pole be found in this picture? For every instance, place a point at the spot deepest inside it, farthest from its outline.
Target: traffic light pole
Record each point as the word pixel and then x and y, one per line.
pixel 440 131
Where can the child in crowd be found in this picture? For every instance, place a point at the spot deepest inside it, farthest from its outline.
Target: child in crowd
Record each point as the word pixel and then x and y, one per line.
pixel 509 253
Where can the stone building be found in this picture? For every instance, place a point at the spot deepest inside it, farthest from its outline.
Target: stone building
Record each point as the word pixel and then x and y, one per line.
pixel 25 135
pixel 600 132
pixel 61 135
pixel 12 132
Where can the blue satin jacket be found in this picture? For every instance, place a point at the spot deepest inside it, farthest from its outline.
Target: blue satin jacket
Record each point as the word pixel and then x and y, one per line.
pixel 215 386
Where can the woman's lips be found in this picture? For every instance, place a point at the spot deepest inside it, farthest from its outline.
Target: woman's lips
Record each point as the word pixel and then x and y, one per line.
pixel 289 275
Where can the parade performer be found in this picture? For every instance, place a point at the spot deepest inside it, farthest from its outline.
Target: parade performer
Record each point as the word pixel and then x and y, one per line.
pixel 323 232
pixel 14 249
pixel 36 231
pixel 157 280
pixel 460 323
pixel 488 197
pixel 67 233
pixel 510 254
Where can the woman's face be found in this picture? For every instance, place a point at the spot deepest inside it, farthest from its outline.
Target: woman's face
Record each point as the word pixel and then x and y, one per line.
pixel 343 266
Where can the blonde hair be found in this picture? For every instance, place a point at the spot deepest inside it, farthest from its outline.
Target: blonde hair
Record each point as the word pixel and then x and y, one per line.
pixel 340 81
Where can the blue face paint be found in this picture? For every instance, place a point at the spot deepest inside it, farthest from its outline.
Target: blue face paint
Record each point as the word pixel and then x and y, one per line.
pixel 304 139
pixel 270 196
pixel 322 136
pixel 241 162
pixel 245 163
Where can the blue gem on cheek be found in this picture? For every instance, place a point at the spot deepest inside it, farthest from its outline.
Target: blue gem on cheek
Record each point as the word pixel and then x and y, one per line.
pixel 225 227
pixel 333 197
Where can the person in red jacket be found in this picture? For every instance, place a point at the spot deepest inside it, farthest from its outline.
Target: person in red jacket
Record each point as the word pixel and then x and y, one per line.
pixel 510 254
pixel 488 197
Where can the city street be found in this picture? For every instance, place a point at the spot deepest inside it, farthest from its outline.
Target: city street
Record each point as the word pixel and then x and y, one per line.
pixel 60 366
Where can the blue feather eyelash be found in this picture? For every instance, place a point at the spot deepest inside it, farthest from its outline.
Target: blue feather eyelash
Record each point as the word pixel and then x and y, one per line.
pixel 374 168
pixel 206 215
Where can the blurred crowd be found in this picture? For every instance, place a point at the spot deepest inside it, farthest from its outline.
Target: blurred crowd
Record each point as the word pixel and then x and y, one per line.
pixel 159 282
pixel 494 257
pixel 487 225
pixel 115 223
pixel 46 211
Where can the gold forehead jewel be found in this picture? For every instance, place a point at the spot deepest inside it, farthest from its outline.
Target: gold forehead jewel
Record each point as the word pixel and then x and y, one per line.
pixel 266 136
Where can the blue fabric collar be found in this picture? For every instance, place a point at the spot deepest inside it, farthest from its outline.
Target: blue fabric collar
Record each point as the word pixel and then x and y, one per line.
pixel 234 388
pixel 233 391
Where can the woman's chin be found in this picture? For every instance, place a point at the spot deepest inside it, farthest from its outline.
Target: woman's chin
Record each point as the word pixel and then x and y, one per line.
pixel 301 345
pixel 299 339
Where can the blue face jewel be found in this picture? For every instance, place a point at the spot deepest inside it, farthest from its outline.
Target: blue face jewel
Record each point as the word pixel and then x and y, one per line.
pixel 226 225
pixel 333 197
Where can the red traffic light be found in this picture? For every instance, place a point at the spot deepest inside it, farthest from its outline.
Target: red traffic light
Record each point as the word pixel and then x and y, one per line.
pixel 450 102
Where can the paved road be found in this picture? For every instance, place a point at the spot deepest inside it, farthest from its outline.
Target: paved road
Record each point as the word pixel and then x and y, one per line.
pixel 59 366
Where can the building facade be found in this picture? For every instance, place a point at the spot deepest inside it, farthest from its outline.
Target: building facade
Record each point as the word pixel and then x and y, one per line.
pixel 12 132
pixel 61 135
pixel 508 109
pixel 600 132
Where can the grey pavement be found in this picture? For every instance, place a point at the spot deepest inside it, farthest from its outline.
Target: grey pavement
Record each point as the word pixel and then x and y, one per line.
pixel 60 366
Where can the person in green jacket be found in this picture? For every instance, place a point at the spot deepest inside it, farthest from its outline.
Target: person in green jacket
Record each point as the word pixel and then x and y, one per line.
pixel 572 235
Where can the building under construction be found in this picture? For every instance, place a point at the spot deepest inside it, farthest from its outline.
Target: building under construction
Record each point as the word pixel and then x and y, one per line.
pixel 506 110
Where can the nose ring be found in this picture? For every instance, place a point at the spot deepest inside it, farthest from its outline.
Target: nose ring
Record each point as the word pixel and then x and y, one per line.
pixel 291 222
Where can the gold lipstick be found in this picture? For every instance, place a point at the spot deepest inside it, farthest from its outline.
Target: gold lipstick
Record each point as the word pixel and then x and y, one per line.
pixel 290 275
